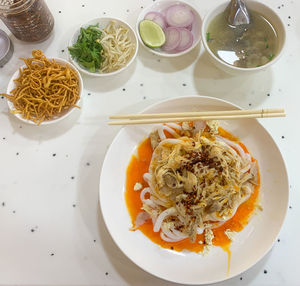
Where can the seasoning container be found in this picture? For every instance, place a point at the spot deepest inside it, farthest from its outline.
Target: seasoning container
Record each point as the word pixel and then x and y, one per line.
pixel 6 48
pixel 28 20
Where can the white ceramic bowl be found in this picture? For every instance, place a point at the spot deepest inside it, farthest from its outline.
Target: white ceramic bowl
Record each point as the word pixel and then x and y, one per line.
pixel 264 10
pixel 160 7
pixel 103 22
pixel 12 85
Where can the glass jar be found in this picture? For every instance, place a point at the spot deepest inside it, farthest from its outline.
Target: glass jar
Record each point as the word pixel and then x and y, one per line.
pixel 28 20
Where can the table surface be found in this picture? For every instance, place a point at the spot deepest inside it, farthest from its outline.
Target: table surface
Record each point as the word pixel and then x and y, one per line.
pixel 52 231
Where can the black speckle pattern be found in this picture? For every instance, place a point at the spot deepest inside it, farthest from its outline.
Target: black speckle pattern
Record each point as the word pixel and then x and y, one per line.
pixel 106 273
pixel 82 5
pixel 74 205
pixel 268 94
pixel 94 240
pixel 32 230
pixel 241 278
pixel 62 51
pixel 104 13
pixel 144 97
pixel 142 7
pixel 123 89
pixel 250 104
pixel 278 240
pixel 282 137
pixel 89 93
pixel 265 271
pixel 14 212
pixel 141 84
pixel 88 164
pixel 289 25
pixel 290 207
pixel 72 178
pixel 2 97
pixel 127 10
pixel 184 84
pixel 59 12
pixel 171 247
pixel 17 153
pixel 52 254
pixel 3 204
pixel 54 154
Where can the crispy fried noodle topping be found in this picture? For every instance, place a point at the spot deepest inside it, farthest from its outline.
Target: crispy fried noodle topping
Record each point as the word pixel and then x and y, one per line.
pixel 197 180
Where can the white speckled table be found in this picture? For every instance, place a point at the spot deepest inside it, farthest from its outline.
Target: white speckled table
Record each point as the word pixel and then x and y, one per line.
pixel 52 232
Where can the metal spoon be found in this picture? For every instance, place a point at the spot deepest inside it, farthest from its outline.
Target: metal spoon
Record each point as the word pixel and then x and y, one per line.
pixel 238 13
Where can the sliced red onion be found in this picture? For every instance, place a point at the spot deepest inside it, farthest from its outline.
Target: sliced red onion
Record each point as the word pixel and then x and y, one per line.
pixel 179 15
pixel 156 17
pixel 186 41
pixel 141 218
pixel 173 37
pixel 190 27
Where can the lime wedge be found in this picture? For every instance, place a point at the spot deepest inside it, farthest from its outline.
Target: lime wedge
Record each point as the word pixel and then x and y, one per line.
pixel 152 34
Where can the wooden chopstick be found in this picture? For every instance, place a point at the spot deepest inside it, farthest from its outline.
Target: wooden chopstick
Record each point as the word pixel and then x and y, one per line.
pixel 181 119
pixel 197 114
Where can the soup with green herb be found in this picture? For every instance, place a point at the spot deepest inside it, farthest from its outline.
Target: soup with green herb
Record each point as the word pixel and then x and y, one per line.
pixel 245 46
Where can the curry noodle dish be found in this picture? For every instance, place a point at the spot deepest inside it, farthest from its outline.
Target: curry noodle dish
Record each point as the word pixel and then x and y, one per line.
pixel 191 186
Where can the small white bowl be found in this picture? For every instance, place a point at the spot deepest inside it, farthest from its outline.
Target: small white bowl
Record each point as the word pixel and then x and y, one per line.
pixel 161 6
pixel 103 22
pixel 12 85
pixel 262 9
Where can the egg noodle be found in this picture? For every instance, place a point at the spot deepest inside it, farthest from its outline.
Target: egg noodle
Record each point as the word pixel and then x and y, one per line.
pixel 118 48
pixel 196 181
pixel 44 89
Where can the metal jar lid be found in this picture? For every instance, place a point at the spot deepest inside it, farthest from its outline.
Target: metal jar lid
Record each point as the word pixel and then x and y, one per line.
pixel 6 48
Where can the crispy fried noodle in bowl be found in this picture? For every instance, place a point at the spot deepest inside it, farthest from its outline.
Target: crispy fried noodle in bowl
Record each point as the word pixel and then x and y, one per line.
pixel 163 187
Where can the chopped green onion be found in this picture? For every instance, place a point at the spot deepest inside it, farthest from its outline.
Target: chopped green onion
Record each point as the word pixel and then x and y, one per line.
pixel 265 39
pixel 207 37
pixel 271 56
pixel 246 54
pixel 267 46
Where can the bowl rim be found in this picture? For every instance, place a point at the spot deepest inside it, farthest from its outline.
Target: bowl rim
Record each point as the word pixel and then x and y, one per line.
pixel 51 121
pixel 169 55
pixel 97 74
pixel 234 68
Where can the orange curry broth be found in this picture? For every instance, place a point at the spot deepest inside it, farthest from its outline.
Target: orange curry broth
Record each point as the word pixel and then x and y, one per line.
pixel 139 165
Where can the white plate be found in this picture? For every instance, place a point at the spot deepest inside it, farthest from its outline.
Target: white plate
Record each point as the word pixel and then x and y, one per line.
pixel 12 85
pixel 161 6
pixel 103 22
pixel 250 245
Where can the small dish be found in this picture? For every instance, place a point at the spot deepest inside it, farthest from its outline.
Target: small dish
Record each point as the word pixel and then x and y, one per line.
pixel 6 48
pixel 262 9
pixel 12 85
pixel 160 7
pixel 103 22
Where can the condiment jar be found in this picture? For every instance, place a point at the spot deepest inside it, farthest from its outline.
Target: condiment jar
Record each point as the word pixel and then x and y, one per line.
pixel 28 20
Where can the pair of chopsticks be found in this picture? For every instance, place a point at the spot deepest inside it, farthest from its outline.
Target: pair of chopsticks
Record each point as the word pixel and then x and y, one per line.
pixel 132 119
